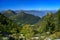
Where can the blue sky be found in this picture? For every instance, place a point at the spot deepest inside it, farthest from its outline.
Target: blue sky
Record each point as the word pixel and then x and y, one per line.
pixel 29 4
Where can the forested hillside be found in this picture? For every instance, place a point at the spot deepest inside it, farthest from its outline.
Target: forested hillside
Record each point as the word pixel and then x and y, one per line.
pixel 23 18
pixel 47 26
pixel 7 26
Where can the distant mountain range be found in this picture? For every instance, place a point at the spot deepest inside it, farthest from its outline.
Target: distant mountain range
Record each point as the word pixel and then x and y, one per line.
pixel 21 17
pixel 39 13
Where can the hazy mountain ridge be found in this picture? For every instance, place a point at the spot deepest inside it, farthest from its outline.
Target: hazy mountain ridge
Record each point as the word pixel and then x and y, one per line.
pixel 23 17
pixel 39 13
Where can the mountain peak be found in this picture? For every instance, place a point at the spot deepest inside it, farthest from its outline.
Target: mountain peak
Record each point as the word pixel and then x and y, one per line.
pixel 8 13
